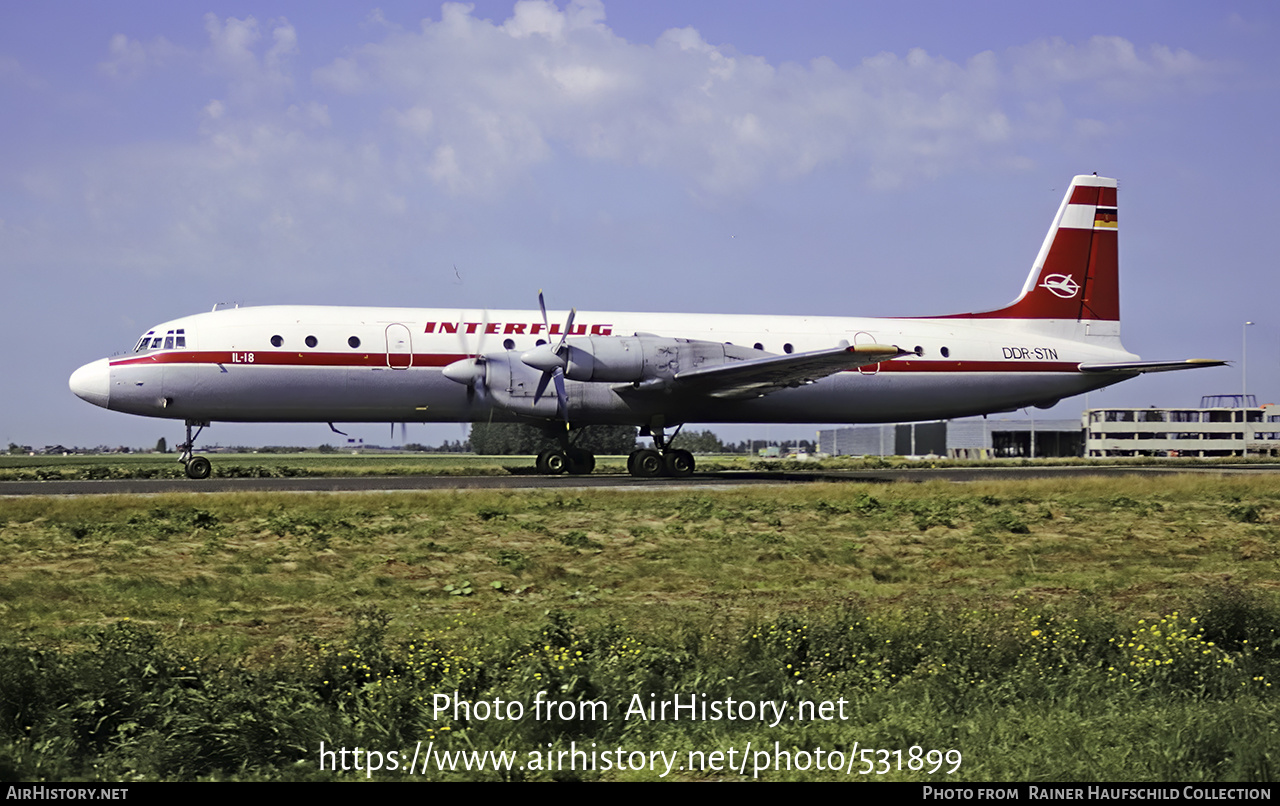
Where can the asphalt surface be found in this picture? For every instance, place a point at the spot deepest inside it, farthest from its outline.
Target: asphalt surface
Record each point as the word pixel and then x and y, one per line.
pixel 398 483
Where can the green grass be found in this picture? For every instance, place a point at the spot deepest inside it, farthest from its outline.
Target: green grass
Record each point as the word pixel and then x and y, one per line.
pixel 256 465
pixel 131 466
pixel 1043 629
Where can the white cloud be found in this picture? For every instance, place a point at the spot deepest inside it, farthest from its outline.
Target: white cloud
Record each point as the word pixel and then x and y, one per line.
pixel 131 58
pixel 128 58
pixel 504 96
pixel 233 53
pixel 1110 64
pixel 13 74
pixel 466 107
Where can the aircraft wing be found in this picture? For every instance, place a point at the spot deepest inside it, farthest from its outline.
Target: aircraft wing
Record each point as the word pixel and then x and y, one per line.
pixel 759 376
pixel 1139 367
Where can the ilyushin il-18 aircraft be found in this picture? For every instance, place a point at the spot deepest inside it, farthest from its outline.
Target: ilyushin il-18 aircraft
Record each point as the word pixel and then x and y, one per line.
pixel 657 371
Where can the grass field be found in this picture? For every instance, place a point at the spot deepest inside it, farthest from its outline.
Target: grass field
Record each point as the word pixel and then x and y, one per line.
pixel 1117 629
pixel 152 465
pixel 258 465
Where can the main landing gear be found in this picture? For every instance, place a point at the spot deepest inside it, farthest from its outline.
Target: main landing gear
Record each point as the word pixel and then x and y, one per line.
pixel 197 467
pixel 574 461
pixel 648 463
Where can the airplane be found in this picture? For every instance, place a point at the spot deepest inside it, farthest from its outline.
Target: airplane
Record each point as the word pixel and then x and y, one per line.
pixel 656 371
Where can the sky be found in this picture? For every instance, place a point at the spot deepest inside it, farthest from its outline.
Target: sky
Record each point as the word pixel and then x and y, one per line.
pixel 818 158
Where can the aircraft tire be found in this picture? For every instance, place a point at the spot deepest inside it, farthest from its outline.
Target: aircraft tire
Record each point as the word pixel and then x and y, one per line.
pixel 552 462
pixel 581 462
pixel 198 468
pixel 646 463
pixel 678 463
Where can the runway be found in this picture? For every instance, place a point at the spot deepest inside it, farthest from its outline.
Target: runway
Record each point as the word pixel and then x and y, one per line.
pixel 350 484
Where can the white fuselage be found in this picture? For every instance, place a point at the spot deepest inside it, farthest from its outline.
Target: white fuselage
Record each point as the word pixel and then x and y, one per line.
pixel 347 364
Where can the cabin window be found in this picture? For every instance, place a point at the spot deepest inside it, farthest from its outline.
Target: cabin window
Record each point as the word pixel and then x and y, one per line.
pixel 311 341
pixel 946 352
pixel 508 344
pixel 758 346
pixel 919 350
pixel 354 342
pixel 277 341
pixel 788 348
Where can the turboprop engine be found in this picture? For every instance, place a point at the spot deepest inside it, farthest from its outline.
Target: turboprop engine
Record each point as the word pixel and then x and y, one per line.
pixel 640 363
pixel 637 359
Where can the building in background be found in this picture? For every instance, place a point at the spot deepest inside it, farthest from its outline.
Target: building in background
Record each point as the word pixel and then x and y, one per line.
pixel 969 438
pixel 1223 425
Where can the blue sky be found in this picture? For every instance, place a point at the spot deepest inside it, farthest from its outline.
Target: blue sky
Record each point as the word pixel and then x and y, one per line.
pixel 832 158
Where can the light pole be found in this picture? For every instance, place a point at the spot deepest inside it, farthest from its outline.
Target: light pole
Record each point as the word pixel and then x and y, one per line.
pixel 1244 364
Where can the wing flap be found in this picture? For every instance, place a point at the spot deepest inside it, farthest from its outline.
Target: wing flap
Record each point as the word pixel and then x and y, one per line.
pixel 760 376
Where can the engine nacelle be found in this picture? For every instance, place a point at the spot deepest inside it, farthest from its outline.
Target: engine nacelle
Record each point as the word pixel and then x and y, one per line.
pixel 509 380
pixel 633 359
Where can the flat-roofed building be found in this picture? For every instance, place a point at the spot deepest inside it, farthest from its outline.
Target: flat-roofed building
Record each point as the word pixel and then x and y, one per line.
pixel 968 438
pixel 1206 431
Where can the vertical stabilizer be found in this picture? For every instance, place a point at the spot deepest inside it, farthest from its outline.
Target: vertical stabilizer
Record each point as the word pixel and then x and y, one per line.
pixel 1076 275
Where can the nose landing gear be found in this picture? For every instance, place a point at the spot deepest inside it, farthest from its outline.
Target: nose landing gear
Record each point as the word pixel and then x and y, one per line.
pixel 197 467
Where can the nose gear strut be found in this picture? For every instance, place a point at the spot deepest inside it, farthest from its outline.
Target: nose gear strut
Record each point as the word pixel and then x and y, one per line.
pixel 197 467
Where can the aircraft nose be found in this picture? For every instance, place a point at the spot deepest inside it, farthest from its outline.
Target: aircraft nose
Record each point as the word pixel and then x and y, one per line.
pixel 92 382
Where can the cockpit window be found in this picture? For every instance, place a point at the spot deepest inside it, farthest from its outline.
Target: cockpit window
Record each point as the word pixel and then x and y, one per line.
pixel 170 340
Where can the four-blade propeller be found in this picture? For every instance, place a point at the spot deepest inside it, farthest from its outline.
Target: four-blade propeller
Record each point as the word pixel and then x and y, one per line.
pixel 552 360
pixel 471 371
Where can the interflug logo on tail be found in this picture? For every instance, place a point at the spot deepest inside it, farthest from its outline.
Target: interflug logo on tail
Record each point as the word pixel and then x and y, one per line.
pixel 1061 285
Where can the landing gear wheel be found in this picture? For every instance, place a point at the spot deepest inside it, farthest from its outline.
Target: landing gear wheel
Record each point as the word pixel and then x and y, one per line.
pixel 646 463
pixel 581 462
pixel 678 463
pixel 552 462
pixel 198 467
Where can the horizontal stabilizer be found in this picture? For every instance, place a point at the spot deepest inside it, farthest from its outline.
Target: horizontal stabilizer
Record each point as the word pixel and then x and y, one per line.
pixel 1139 367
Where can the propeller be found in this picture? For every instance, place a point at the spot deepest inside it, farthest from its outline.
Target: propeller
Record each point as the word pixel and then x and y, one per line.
pixel 552 360
pixel 471 371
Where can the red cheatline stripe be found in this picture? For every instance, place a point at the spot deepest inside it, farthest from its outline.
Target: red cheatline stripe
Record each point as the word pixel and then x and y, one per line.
pixel 288 359
pixel 426 360
pixel 979 366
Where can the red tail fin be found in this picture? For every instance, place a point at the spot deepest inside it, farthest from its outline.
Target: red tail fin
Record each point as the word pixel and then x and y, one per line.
pixel 1076 275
